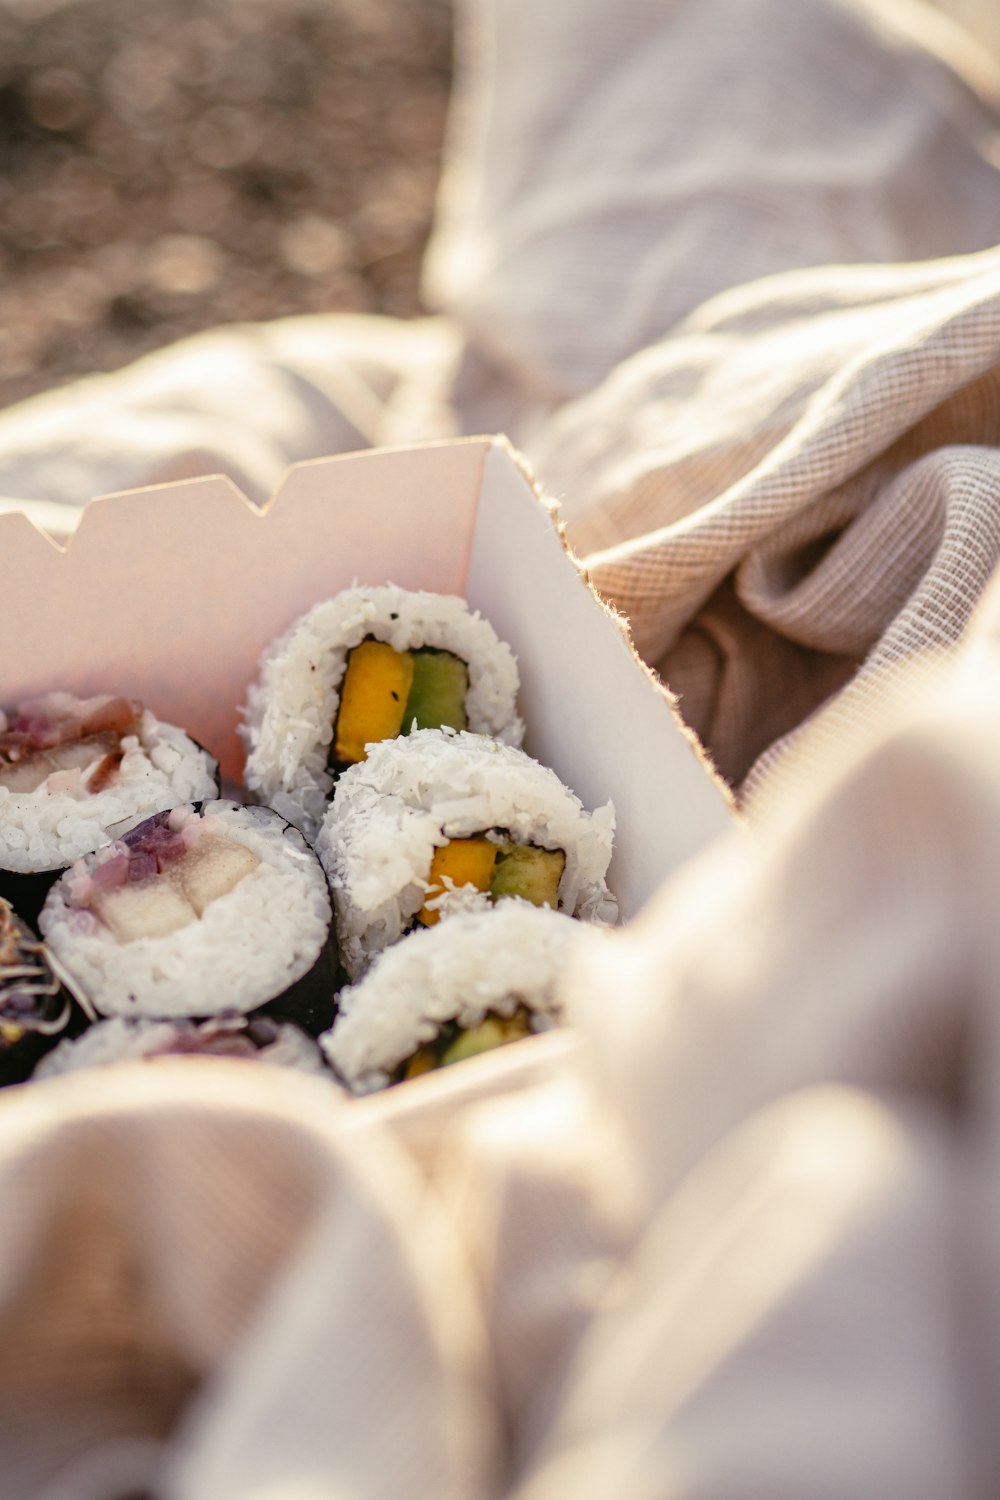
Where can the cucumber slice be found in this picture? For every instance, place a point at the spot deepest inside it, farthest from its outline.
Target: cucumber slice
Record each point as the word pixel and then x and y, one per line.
pixel 493 1031
pixel 438 691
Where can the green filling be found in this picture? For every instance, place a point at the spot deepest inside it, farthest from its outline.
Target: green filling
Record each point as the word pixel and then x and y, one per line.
pixel 455 1043
pixel 438 692
pixel 526 871
pixel 377 680
pixel 493 1031
pixel 523 870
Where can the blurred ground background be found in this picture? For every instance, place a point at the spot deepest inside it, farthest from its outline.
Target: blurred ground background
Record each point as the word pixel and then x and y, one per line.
pixel 166 165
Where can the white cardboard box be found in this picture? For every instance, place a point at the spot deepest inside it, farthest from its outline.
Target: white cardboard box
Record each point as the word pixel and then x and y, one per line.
pixel 170 593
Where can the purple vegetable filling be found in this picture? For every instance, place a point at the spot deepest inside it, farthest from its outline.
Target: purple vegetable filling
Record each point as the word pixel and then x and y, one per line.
pixel 220 1041
pixel 154 843
pixel 144 852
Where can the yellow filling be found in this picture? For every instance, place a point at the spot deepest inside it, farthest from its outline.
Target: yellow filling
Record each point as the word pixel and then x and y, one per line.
pixel 465 862
pixel 423 1061
pixel 373 698
pixel 161 905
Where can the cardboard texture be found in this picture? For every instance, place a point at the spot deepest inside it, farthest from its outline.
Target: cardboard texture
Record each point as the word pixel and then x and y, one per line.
pixel 170 593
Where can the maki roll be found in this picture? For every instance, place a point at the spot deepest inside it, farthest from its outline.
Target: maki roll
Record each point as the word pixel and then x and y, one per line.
pixel 369 665
pixel 121 1040
pixel 71 769
pixel 440 812
pixel 195 914
pixel 475 982
pixel 34 1007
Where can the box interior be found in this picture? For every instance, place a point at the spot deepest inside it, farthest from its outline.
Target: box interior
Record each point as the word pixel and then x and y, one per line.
pixel 170 594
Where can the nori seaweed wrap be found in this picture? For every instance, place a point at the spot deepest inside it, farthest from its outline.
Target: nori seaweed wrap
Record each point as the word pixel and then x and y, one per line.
pixel 370 664
pixel 71 770
pixel 197 914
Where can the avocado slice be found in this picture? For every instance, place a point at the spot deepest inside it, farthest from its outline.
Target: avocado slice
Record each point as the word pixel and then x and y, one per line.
pixel 493 1031
pixel 529 872
pixel 438 691
pixel 454 1044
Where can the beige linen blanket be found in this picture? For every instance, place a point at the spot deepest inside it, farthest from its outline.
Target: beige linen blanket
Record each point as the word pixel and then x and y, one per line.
pixel 729 272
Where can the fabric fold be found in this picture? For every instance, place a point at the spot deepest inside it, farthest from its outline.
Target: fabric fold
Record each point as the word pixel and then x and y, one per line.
pixel 224 1264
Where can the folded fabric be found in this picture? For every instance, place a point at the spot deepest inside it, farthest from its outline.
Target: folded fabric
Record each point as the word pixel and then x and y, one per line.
pixel 728 270
pixel 814 501
pixel 201 1254
pixel 736 1235
pixel 801 1054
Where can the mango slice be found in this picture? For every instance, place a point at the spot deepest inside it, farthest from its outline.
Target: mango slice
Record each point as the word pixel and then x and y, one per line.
pixel 422 1061
pixel 466 862
pixel 373 698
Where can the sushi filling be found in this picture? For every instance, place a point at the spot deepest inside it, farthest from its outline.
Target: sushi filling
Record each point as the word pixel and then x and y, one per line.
pixel 454 1043
pixel 254 1039
pixel 163 875
pixel 223 1038
pixel 60 742
pixel 386 693
pixel 31 998
pixel 497 866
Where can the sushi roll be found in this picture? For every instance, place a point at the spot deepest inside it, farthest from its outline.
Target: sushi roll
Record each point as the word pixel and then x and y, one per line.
pixel 121 1040
pixel 34 1006
pixel 474 982
pixel 71 769
pixel 369 665
pixel 438 811
pixel 195 914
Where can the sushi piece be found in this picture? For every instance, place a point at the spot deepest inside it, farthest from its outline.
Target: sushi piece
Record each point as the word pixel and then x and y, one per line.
pixel 477 981
pixel 369 665
pixel 34 1006
pixel 195 914
pixel 121 1040
pixel 442 812
pixel 71 770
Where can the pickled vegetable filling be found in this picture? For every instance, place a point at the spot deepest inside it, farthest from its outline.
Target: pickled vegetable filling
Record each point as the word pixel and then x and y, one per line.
pixel 29 992
pixel 164 875
pixel 77 740
pixel 454 1043
pixel 219 1039
pixel 496 867
pixel 386 692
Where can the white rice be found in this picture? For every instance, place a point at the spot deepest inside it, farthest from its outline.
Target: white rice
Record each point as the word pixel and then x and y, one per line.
pixel 292 708
pixel 47 830
pixel 507 956
pixel 120 1040
pixel 412 795
pixel 248 946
